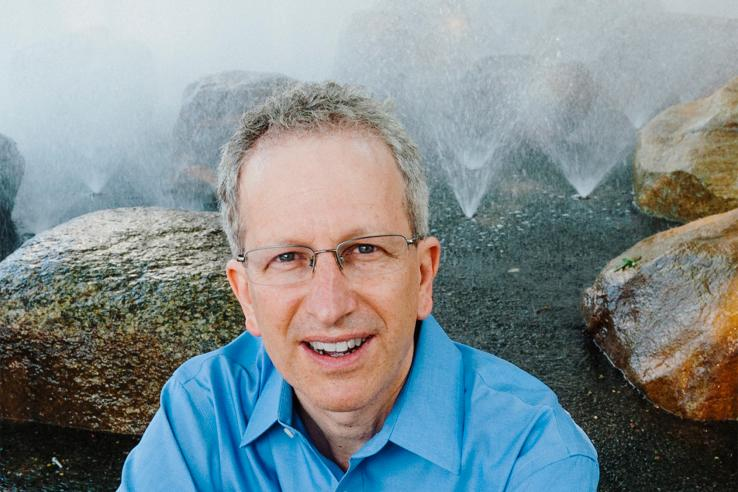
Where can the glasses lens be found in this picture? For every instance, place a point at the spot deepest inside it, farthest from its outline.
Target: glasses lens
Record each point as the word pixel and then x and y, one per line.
pixel 279 265
pixel 373 256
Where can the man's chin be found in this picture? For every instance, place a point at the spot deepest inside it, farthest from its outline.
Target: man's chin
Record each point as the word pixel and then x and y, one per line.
pixel 335 400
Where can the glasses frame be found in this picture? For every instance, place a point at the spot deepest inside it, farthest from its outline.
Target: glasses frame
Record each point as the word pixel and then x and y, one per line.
pixel 242 258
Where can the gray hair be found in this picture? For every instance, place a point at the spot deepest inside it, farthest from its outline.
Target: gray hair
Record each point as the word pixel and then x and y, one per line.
pixel 311 107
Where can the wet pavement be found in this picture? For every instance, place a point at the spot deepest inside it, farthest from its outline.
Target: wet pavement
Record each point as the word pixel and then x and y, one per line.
pixel 510 283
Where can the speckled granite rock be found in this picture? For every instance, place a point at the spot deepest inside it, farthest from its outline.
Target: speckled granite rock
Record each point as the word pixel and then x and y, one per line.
pixel 686 163
pixel 670 321
pixel 96 313
pixel 12 167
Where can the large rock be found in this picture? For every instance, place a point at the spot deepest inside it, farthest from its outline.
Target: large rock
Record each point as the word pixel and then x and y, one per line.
pixel 210 112
pixel 97 313
pixel 12 167
pixel 211 109
pixel 670 321
pixel 686 163
pixel 427 78
pixel 559 96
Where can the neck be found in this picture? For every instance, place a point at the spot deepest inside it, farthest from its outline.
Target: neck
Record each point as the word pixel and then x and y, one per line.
pixel 338 435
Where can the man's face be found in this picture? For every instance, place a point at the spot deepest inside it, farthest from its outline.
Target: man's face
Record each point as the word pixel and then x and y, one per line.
pixel 318 190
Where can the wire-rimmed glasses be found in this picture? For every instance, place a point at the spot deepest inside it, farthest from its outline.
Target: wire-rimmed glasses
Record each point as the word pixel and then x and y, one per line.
pixel 359 259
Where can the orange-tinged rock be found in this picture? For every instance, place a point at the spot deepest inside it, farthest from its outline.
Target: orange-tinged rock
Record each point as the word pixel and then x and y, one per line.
pixel 686 163
pixel 670 321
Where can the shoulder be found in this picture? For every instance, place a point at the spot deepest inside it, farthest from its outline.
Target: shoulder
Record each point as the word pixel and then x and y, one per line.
pixel 503 403
pixel 240 355
pixel 206 399
pixel 488 373
pixel 237 369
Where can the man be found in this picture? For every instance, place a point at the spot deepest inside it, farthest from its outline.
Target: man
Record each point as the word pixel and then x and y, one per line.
pixel 344 381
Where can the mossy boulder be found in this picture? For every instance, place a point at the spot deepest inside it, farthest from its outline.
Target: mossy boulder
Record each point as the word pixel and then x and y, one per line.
pixel 97 312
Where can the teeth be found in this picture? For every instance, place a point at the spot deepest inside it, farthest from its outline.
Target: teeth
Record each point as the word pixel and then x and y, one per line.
pixel 337 348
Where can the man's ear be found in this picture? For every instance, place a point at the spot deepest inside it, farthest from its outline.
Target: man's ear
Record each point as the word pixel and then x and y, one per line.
pixel 429 256
pixel 239 282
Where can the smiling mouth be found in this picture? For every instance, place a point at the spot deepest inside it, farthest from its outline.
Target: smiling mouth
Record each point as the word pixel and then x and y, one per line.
pixel 337 349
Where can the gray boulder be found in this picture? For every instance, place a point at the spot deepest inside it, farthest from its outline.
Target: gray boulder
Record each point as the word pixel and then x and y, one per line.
pixel 210 112
pixel 97 313
pixel 12 167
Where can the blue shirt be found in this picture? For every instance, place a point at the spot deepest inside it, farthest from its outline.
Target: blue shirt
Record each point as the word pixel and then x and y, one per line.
pixel 465 420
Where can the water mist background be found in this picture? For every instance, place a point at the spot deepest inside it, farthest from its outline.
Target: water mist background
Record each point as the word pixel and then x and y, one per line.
pixel 90 89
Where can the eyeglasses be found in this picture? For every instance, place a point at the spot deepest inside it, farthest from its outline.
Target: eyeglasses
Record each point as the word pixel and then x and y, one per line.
pixel 359 259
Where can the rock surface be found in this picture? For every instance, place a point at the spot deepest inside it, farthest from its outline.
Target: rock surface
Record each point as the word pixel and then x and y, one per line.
pixel 686 163
pixel 97 313
pixel 12 167
pixel 211 110
pixel 670 321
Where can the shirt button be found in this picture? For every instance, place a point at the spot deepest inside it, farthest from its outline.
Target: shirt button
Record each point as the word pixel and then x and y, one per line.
pixel 289 432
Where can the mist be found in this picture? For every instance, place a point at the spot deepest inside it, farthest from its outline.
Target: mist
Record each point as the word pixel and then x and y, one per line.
pixel 90 90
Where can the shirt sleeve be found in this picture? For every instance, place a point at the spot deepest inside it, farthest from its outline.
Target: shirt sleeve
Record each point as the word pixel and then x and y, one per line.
pixel 577 473
pixel 165 459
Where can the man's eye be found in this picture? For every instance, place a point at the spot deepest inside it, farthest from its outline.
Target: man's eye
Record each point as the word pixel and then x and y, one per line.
pixel 361 249
pixel 364 251
pixel 286 257
pixel 365 248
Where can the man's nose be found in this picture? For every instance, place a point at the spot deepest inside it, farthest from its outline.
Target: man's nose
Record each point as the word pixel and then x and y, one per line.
pixel 330 297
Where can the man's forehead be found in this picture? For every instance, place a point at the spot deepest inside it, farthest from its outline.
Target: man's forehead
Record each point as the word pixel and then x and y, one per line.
pixel 291 155
pixel 306 180
pixel 273 142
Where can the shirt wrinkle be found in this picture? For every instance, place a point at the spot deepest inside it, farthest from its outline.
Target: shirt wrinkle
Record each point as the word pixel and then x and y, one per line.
pixel 528 474
pixel 544 409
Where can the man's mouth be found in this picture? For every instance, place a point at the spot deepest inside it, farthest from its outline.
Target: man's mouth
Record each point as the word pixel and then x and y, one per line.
pixel 337 349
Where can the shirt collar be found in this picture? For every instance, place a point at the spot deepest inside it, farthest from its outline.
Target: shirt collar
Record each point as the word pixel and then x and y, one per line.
pixel 274 404
pixel 427 418
pixel 430 407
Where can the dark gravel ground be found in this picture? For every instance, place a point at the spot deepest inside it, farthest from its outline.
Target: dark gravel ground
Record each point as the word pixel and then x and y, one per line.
pixel 510 283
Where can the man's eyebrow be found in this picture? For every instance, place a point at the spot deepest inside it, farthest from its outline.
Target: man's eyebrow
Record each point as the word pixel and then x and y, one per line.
pixel 292 241
pixel 360 232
